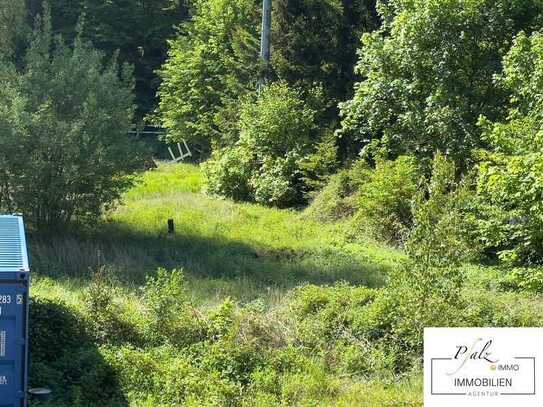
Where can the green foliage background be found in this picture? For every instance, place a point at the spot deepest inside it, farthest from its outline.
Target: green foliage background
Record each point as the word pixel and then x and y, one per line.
pixel 64 121
pixel 428 75
pixel 401 138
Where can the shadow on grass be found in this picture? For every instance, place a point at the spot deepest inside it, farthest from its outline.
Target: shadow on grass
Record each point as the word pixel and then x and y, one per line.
pixel 132 254
pixel 64 358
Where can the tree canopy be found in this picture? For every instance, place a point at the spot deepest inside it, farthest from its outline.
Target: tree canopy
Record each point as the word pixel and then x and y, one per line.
pixel 211 63
pixel 138 29
pixel 428 75
pixel 65 152
pixel 12 26
pixel 214 60
pixel 316 41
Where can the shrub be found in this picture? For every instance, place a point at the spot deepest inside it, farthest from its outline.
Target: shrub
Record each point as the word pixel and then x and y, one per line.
pixel 64 122
pixel 64 358
pixel 318 166
pixel 444 231
pixel 337 200
pixel 494 308
pixel 376 200
pixel 510 171
pixel 52 322
pixel 511 220
pixel 246 354
pixel 172 319
pixel 104 316
pixel 326 314
pixel 385 199
pixel 523 279
pixel 221 320
pixel 277 182
pixel 227 173
pixel 86 385
pixel 164 376
pixel 268 164
pixel 377 332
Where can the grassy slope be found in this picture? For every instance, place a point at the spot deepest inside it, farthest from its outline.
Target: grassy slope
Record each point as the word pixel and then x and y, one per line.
pixel 231 249
pixel 226 249
pixel 236 250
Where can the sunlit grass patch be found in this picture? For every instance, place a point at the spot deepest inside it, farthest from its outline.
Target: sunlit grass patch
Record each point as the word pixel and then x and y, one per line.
pixel 226 249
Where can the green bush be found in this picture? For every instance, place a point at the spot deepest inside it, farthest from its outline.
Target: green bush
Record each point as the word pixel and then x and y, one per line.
pixel 325 315
pixel 376 200
pixel 523 279
pixel 64 122
pixel 377 332
pixel 511 220
pixel 510 170
pixel 105 317
pixel 276 182
pixel 63 357
pixel 445 225
pixel 171 317
pixel 164 376
pixel 270 162
pixel 52 322
pixel 494 308
pixel 227 173
pixel 337 200
pixel 385 199
pixel 291 376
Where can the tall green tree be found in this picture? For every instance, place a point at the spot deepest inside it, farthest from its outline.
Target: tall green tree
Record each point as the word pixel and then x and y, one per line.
pixel 212 63
pixel 12 26
pixel 215 60
pixel 65 152
pixel 428 75
pixel 138 29
pixel 316 41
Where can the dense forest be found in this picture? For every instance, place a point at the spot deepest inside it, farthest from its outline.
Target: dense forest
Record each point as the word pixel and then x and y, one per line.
pixel 382 173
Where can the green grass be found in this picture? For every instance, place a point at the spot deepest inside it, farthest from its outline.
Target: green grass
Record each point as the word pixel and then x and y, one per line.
pixel 226 249
pixel 248 253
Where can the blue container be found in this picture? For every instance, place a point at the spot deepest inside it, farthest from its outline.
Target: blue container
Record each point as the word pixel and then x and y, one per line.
pixel 14 286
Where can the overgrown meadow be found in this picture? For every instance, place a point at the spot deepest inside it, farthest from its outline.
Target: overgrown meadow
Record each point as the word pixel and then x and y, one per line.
pixel 385 175
pixel 243 305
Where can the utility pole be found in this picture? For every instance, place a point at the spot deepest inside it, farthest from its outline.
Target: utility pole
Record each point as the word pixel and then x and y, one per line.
pixel 265 42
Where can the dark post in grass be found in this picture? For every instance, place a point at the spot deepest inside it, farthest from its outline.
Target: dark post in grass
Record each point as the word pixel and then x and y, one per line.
pixel 171 227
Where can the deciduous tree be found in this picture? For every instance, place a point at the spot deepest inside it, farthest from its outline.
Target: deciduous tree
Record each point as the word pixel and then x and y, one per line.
pixel 428 75
pixel 65 152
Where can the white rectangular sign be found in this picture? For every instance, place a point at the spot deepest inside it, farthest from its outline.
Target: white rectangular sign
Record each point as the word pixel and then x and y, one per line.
pixel 482 367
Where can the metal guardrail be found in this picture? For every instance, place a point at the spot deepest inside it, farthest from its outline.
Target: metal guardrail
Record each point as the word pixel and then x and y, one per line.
pixel 182 147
